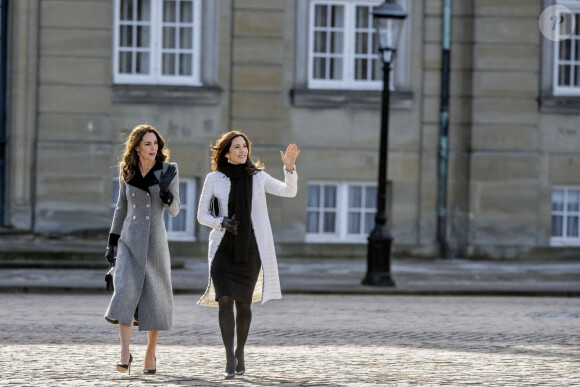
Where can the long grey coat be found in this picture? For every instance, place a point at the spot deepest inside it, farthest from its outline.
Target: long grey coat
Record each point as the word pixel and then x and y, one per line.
pixel 143 269
pixel 217 184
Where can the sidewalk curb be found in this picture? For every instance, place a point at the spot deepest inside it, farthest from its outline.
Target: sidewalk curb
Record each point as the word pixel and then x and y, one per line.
pixel 350 292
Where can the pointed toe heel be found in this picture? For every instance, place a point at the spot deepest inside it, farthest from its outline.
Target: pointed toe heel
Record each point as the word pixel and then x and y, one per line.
pixel 149 371
pixel 231 375
pixel 125 367
pixel 240 364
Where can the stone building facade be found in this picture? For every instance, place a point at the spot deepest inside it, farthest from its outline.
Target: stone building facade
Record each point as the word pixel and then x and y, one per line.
pixel 81 73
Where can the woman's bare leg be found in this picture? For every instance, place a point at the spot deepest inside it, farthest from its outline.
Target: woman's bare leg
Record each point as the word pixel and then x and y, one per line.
pixel 152 337
pixel 125 336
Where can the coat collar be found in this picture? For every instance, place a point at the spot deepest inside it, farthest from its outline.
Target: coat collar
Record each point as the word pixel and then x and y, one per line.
pixel 151 178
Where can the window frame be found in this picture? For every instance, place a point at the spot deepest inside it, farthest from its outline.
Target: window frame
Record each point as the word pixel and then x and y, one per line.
pixel 341 234
pixel 188 235
pixel 301 95
pixel 557 90
pixel 563 240
pixel 362 210
pixel 322 236
pixel 553 100
pixel 349 30
pixel 155 62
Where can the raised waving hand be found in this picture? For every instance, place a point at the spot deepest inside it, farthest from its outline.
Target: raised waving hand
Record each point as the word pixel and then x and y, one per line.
pixel 289 158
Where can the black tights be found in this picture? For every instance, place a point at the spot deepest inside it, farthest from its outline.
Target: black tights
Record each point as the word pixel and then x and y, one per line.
pixel 241 326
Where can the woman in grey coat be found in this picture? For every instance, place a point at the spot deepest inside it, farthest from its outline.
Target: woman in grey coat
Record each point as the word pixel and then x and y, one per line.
pixel 143 296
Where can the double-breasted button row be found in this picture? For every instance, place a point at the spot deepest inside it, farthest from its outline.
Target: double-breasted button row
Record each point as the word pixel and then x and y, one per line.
pixel 133 194
pixel 148 205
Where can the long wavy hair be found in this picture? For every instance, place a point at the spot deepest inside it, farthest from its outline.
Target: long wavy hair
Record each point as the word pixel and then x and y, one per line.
pixel 222 146
pixel 130 161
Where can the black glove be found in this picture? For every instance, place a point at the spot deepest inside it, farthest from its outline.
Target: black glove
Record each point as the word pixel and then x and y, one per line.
pixel 165 180
pixel 231 224
pixel 110 255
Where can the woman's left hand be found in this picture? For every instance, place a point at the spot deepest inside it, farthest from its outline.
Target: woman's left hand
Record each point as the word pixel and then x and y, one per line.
pixel 289 158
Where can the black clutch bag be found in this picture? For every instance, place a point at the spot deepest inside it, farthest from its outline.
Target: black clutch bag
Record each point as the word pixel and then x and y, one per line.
pixel 109 278
pixel 214 207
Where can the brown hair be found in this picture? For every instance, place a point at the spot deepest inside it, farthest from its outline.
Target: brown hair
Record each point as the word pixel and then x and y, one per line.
pixel 131 159
pixel 222 146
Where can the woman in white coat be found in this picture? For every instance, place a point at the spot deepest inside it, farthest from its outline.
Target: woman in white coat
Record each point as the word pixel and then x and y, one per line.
pixel 242 260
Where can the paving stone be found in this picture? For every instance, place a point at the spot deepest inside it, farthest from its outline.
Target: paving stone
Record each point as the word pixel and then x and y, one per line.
pixel 303 340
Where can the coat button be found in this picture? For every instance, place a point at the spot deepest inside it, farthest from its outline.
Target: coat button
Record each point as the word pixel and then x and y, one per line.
pixel 146 217
pixel 148 205
pixel 134 217
pixel 134 206
pixel 133 194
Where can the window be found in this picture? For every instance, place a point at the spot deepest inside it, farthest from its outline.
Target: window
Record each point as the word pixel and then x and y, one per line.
pixel 322 209
pixel 362 208
pixel 343 51
pixel 567 58
pixel 340 212
pixel 181 227
pixel 157 42
pixel 565 216
pixel 560 60
pixel 337 61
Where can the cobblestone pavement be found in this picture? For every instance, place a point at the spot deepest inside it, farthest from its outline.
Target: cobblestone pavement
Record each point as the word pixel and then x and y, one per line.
pixel 62 340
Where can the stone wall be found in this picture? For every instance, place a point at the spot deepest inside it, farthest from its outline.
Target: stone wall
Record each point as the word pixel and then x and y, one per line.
pixel 66 121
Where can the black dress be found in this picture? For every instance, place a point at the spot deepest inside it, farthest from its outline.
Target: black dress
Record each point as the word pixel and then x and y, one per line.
pixel 231 276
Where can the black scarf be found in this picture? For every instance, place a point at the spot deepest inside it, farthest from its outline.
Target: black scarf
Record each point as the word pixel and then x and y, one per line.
pixel 240 204
pixel 144 182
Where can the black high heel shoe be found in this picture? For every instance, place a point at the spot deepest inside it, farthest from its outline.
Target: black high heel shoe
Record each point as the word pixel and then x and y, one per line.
pixel 125 367
pixel 240 370
pixel 151 372
pixel 232 374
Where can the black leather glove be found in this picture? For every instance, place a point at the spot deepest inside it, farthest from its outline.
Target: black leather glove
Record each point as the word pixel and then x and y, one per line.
pixel 110 255
pixel 231 224
pixel 165 180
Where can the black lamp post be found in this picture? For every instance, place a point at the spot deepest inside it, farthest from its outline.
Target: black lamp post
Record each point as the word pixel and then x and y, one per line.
pixel 388 18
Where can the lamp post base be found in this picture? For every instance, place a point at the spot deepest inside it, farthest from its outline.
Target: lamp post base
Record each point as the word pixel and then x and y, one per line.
pixel 379 258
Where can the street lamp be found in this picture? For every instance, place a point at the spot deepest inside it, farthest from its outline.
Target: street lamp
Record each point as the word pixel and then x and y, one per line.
pixel 388 18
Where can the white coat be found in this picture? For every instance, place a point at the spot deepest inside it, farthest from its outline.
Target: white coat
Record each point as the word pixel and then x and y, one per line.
pixel 217 184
